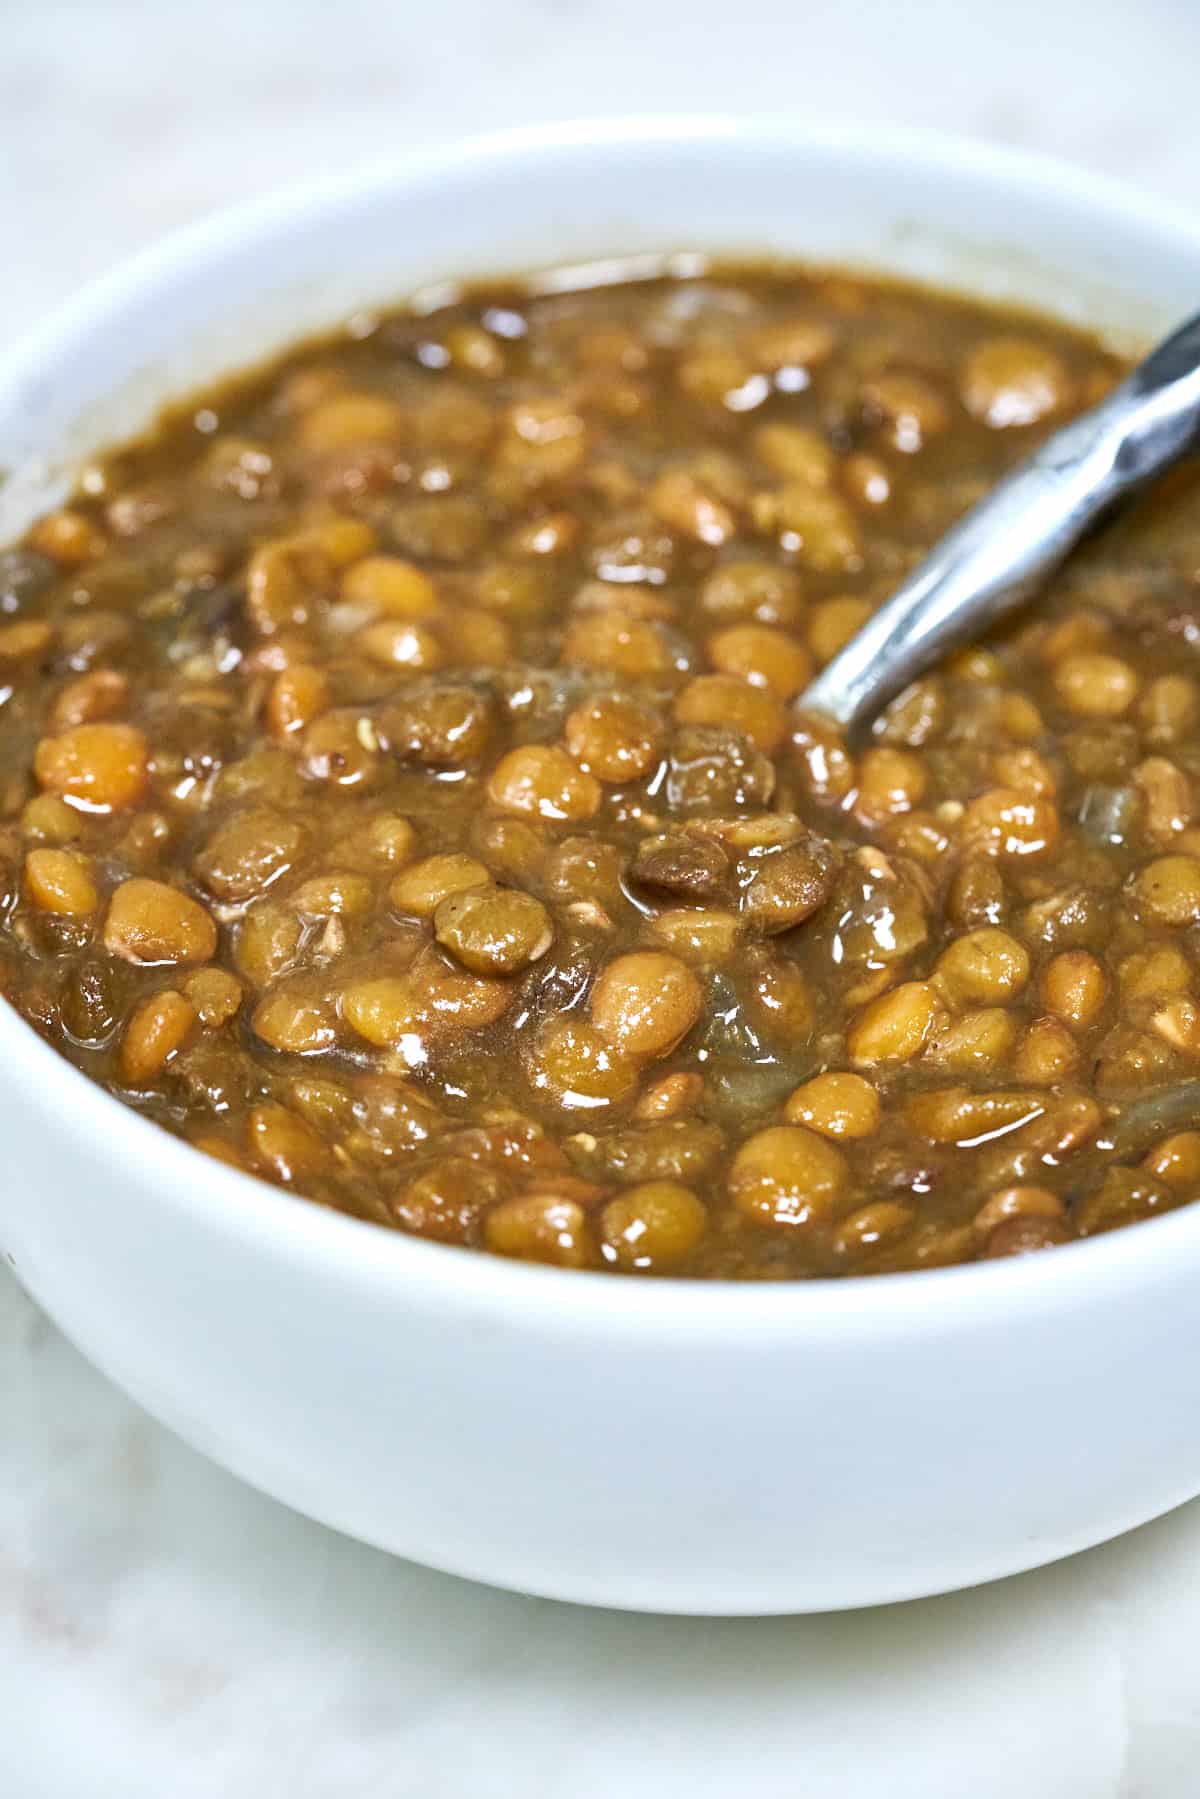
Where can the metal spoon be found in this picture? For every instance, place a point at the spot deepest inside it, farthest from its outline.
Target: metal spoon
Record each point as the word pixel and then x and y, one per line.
pixel 1002 550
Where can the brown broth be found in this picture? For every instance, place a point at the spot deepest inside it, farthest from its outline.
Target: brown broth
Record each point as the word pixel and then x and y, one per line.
pixel 402 795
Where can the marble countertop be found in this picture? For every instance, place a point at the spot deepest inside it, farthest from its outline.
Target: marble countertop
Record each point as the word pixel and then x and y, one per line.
pixel 162 1628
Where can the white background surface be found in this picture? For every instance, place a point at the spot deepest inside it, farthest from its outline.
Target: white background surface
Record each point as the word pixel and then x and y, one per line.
pixel 164 1631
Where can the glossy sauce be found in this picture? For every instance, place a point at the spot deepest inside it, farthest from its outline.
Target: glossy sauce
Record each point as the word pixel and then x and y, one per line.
pixel 402 797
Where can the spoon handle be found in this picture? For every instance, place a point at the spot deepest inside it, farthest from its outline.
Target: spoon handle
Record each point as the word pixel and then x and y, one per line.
pixel 1004 547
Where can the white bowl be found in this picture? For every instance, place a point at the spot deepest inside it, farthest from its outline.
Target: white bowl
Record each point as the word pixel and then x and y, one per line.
pixel 655 1444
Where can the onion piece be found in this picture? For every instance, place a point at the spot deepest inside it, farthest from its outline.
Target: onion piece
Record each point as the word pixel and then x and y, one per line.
pixel 1108 815
pixel 1156 1115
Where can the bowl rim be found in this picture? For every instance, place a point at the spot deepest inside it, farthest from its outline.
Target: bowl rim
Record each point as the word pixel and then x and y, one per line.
pixel 292 1229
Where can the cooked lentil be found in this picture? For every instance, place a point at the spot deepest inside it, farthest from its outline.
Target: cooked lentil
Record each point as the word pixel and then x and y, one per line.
pixel 404 799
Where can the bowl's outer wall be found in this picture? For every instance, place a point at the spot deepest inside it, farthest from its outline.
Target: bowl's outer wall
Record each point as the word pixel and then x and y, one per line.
pixel 590 1438
pixel 595 1458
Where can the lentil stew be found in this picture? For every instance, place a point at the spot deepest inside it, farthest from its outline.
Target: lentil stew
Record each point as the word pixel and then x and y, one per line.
pixel 402 796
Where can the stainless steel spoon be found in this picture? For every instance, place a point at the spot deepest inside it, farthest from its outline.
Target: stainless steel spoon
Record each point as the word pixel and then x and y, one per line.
pixel 1006 546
